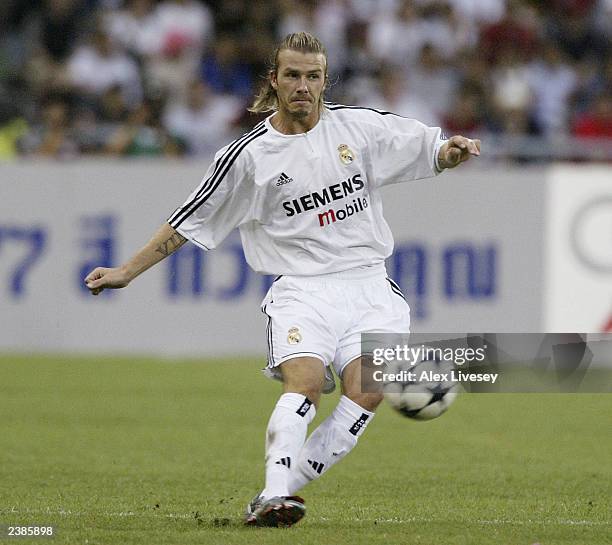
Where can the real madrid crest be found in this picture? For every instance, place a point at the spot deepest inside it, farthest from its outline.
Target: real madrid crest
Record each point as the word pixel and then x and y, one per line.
pixel 346 154
pixel 294 336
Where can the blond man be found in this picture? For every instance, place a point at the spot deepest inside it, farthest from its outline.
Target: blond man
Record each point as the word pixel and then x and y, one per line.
pixel 303 187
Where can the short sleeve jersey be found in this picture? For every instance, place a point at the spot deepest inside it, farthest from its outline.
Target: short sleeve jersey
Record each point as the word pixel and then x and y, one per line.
pixel 310 203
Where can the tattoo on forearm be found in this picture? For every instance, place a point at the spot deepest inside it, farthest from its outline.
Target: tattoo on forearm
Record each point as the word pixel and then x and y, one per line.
pixel 171 245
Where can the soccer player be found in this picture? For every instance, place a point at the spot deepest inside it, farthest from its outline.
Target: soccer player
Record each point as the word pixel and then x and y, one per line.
pixel 304 187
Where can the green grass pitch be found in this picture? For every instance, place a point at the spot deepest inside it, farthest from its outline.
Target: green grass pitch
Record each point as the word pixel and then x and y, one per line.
pixel 144 451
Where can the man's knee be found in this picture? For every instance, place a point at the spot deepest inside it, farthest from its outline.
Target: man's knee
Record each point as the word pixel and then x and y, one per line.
pixel 304 376
pixel 369 401
pixel 355 381
pixel 311 391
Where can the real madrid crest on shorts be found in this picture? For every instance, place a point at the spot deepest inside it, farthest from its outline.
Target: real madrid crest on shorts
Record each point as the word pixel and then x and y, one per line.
pixel 346 155
pixel 294 336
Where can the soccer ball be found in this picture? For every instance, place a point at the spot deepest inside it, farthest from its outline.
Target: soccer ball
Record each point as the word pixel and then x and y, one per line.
pixel 426 397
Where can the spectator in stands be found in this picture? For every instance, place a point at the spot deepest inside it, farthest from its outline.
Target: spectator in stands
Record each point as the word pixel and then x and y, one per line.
pixel 397 36
pixel 232 16
pixel 519 28
pixel 466 115
pixel 204 120
pixel 257 36
pixel 473 72
pixel 574 30
pixel 326 19
pixel 522 68
pixel 55 27
pixel 97 66
pixel 96 124
pixel 552 81
pixel 596 122
pixel 13 127
pixel 447 30
pixel 52 136
pixel 602 19
pixel 133 27
pixel 181 30
pixel 358 77
pixel 183 27
pixel 143 135
pixel 590 82
pixel 224 71
pixel 296 15
pixel 262 18
pixel 112 107
pixel 594 78
pixel 511 93
pixel 393 95
pixel 61 26
pixel 480 12
pixel 433 81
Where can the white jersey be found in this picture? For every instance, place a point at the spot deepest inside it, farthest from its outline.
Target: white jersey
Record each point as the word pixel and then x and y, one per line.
pixel 310 204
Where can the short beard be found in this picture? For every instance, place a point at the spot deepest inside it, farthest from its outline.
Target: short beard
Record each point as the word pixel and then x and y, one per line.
pixel 300 114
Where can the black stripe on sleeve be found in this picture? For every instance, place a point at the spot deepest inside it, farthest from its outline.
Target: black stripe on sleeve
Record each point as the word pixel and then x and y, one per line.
pixel 219 164
pixel 342 107
pixel 182 209
pixel 221 168
pixel 216 181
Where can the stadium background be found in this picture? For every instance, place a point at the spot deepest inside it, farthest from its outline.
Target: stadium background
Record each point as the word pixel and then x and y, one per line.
pixel 109 114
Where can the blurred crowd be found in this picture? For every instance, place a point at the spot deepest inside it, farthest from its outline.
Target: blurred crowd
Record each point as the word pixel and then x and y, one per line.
pixel 174 77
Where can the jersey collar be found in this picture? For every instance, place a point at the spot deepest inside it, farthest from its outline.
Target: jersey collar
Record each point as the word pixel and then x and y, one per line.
pixel 278 133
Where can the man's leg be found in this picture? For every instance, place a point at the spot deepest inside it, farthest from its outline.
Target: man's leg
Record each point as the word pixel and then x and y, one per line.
pixel 336 436
pixel 302 384
pixel 303 380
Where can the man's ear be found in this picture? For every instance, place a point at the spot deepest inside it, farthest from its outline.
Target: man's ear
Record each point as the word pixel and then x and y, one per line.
pixel 273 80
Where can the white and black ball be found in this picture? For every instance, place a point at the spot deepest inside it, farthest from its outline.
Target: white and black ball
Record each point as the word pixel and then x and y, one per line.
pixel 426 397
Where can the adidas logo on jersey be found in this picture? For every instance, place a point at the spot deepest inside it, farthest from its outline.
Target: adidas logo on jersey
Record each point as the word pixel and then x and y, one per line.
pixel 283 179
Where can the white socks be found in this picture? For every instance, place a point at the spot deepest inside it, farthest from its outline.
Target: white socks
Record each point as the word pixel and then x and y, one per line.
pixel 285 437
pixel 330 442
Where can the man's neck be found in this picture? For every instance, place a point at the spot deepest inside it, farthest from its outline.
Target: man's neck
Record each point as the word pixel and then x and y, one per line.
pixel 288 124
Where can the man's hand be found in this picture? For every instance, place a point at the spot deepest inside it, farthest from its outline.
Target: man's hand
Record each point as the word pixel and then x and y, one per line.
pixel 164 243
pixel 457 150
pixel 101 278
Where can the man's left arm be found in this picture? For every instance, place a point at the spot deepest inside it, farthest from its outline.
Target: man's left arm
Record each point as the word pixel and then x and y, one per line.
pixel 456 150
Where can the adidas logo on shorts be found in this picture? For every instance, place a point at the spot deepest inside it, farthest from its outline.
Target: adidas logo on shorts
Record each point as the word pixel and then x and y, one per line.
pixel 283 179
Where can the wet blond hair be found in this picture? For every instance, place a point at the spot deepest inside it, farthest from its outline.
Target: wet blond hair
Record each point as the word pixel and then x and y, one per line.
pixel 267 99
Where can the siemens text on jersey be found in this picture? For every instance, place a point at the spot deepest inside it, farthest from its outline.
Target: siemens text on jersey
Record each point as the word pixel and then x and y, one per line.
pixel 316 199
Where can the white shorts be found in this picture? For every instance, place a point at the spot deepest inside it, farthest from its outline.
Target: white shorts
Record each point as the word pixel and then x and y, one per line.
pixel 324 316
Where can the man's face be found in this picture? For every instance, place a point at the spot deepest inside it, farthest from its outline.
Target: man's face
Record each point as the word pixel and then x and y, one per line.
pixel 299 82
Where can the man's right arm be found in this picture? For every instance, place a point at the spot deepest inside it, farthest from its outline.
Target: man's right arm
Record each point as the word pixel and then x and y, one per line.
pixel 165 242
